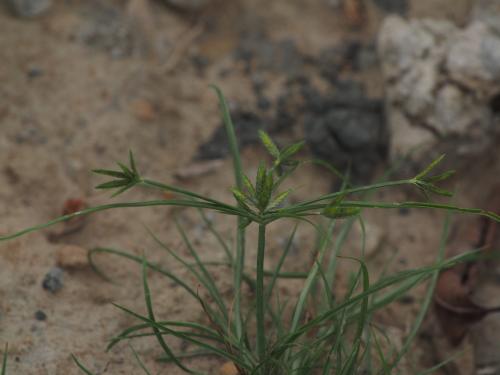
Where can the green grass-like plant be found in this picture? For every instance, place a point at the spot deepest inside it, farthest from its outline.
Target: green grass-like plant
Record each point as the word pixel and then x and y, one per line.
pixel 268 335
pixel 4 361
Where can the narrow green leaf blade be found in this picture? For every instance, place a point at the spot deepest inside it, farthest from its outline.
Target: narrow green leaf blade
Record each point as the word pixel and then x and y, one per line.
pixel 139 361
pixel 123 189
pixel 338 212
pixel 4 361
pixel 125 169
pixel 439 191
pixel 108 172
pixel 441 176
pixel 132 162
pixel 82 367
pixel 112 184
pixel 430 167
pixel 149 306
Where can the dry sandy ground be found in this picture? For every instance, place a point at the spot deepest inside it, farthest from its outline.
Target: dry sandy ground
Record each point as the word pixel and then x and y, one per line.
pixel 76 96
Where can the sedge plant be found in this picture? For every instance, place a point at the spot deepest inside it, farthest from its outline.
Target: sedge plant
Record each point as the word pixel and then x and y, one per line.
pixel 266 335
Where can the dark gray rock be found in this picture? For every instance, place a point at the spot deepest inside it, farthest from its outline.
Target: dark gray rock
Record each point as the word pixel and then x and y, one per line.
pixel 40 315
pixel 348 131
pixel 34 72
pixel 53 280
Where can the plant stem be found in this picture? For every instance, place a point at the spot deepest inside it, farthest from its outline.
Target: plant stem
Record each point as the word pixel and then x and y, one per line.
pixel 359 189
pixel 159 185
pixel 261 335
pixel 238 277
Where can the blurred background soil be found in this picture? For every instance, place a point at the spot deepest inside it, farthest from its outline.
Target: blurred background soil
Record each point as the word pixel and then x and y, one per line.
pixel 85 81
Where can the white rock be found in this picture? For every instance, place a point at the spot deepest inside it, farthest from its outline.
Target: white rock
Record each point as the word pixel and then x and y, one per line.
pixel 406 137
pixel 416 88
pixel 490 55
pixel 440 81
pixel 400 43
pixel 456 113
pixel 487 12
pixel 464 60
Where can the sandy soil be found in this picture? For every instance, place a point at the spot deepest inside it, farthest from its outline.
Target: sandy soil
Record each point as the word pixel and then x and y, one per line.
pixel 92 79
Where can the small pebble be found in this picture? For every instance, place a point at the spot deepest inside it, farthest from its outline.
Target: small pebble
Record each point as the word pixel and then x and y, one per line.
pixel 143 110
pixel 34 73
pixel 71 257
pixel 406 300
pixel 53 280
pixel 403 211
pixel 40 315
pixel 228 368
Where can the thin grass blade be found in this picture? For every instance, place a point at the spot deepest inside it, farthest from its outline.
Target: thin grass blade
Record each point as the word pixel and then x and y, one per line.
pixel 138 359
pixel 138 260
pixel 217 236
pixel 207 279
pixel 149 306
pixel 352 361
pixel 215 350
pixel 4 360
pixel 80 366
